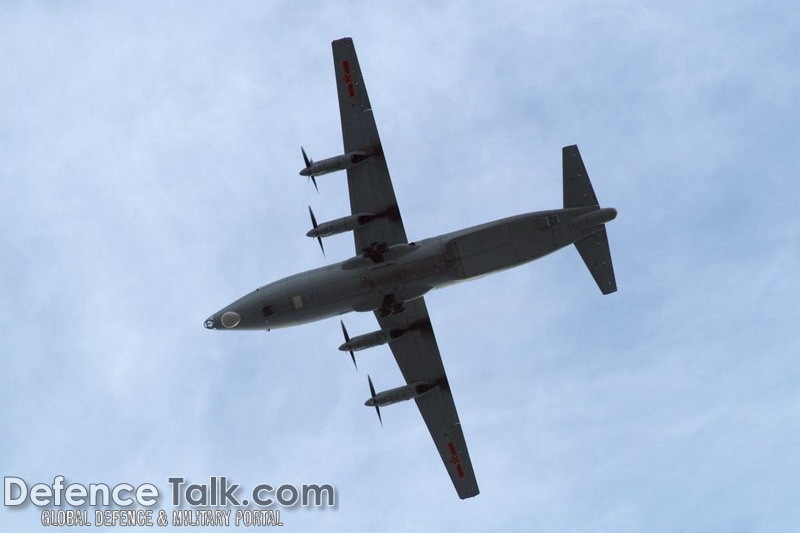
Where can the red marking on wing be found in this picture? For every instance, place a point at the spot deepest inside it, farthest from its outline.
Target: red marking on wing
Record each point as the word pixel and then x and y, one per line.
pixel 348 79
pixel 455 460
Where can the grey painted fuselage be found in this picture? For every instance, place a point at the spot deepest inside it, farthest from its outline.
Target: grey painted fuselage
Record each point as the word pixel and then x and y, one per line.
pixel 407 271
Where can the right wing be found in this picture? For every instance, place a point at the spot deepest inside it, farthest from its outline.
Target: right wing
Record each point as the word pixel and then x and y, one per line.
pixel 369 183
pixel 417 355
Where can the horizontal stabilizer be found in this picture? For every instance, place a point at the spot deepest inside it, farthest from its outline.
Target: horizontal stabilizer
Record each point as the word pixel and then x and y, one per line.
pixel 596 254
pixel 578 190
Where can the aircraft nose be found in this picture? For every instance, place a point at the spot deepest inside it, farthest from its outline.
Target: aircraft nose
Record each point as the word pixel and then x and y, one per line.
pixel 231 319
pixel 228 320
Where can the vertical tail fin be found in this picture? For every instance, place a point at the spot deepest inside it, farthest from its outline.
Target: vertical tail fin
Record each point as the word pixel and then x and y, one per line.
pixel 578 192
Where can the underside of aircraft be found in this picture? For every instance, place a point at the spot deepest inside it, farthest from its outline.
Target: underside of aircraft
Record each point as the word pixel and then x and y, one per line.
pixel 389 275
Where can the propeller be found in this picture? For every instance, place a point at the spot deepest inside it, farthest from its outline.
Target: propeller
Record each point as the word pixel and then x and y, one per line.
pixel 308 162
pixel 347 339
pixel 372 391
pixel 314 224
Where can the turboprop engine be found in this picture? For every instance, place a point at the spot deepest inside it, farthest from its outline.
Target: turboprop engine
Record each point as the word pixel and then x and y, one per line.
pixel 340 225
pixel 369 340
pixel 399 394
pixel 332 164
pixel 376 338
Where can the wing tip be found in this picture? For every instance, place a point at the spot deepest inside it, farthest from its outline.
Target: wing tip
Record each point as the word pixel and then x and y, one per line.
pixel 344 41
pixel 471 493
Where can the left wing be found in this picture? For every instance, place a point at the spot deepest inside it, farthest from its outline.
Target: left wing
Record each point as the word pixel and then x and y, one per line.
pixel 416 353
pixel 369 183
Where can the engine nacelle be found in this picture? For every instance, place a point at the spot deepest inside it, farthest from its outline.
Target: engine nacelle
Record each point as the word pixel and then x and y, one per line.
pixel 369 340
pixel 401 394
pixel 333 164
pixel 341 225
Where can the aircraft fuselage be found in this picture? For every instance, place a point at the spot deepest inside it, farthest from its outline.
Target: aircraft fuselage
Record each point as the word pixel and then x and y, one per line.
pixel 404 272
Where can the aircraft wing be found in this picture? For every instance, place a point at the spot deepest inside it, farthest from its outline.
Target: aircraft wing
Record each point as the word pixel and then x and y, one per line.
pixel 369 183
pixel 417 355
pixel 371 191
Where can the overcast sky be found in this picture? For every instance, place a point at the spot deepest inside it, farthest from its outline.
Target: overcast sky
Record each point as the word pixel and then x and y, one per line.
pixel 148 177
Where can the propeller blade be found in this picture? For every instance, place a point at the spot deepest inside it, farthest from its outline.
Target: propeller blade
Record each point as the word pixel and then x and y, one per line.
pixel 314 225
pixel 308 162
pixel 313 218
pixel 372 391
pixel 305 157
pixel 347 339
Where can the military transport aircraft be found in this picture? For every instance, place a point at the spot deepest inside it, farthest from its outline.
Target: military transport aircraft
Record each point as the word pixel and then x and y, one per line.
pixel 389 275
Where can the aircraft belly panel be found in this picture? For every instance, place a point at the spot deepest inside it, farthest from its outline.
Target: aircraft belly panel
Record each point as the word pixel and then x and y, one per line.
pixel 485 250
pixel 323 293
pixel 532 237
